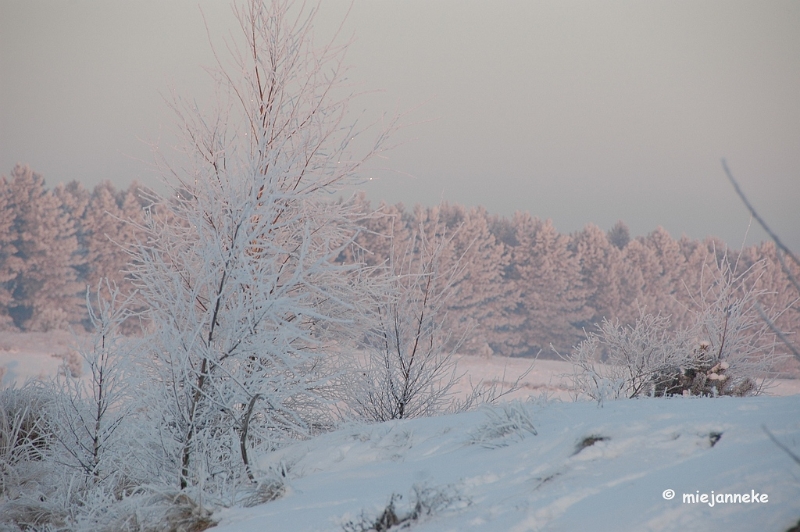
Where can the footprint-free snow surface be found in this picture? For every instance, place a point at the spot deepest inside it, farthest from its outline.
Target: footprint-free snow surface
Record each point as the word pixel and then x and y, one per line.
pixel 547 466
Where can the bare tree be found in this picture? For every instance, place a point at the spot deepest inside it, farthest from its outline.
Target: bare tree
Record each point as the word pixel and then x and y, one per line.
pixel 409 370
pixel 87 414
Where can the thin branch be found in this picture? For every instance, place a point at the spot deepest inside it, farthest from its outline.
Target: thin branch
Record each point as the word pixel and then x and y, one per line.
pixel 780 445
pixel 755 215
pixel 777 331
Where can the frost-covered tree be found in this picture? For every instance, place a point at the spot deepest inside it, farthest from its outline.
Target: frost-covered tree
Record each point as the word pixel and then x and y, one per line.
pixel 238 265
pixel 9 262
pixel 552 300
pixel 640 267
pixel 74 199
pixel 619 235
pixel 44 287
pixel 664 281
pixel 408 369
pixel 88 413
pixel 480 294
pixel 112 223
pixel 600 262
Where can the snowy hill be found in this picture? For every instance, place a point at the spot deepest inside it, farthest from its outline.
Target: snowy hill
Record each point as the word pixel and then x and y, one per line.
pixel 538 465
pixel 586 468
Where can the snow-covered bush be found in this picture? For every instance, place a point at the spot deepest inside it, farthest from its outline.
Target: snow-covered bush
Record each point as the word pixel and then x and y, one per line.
pixel 423 502
pixel 737 349
pixel 26 434
pixel 627 361
pixel 508 422
pixel 728 349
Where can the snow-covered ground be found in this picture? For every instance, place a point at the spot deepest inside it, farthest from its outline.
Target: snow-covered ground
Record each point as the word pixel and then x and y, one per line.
pixel 587 468
pixel 550 377
pixel 34 355
pixel 40 355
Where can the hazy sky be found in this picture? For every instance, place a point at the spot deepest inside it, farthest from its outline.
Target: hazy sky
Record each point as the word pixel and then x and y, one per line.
pixel 579 111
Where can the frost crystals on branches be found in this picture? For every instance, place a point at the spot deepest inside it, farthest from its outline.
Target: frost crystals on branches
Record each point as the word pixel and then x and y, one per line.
pixel 238 268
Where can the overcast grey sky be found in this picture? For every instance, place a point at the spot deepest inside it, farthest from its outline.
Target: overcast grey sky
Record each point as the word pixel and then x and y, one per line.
pixel 579 111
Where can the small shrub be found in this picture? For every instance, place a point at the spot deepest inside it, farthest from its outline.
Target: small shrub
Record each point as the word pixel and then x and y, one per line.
pixel 268 488
pixel 627 361
pixel 506 423
pixel 702 375
pixel 25 435
pixel 588 441
pixel 728 350
pixel 424 502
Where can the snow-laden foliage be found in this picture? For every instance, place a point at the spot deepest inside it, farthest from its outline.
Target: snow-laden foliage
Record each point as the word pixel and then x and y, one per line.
pixel 727 349
pixel 88 412
pixel 241 296
pixel 237 270
pixel 505 423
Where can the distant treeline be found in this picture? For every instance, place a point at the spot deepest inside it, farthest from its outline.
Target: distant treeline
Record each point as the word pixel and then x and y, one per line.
pixel 521 286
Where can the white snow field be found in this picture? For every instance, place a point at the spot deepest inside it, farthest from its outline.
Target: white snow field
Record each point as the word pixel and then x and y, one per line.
pixel 40 355
pixel 587 468
pixel 26 356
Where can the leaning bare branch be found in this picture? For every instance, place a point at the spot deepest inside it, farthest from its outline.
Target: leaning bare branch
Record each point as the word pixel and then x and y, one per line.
pixel 780 445
pixel 781 336
pixel 758 218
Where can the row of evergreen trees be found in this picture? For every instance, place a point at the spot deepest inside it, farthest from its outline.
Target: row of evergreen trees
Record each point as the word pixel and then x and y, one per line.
pixel 55 242
pixel 522 287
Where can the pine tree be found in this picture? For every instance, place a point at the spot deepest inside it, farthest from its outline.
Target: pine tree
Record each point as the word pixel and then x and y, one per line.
pixel 619 235
pixel 601 264
pixel 480 294
pixel 10 264
pixel 552 297
pixel 44 290
pixel 74 200
pixel 103 226
pixel 665 281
